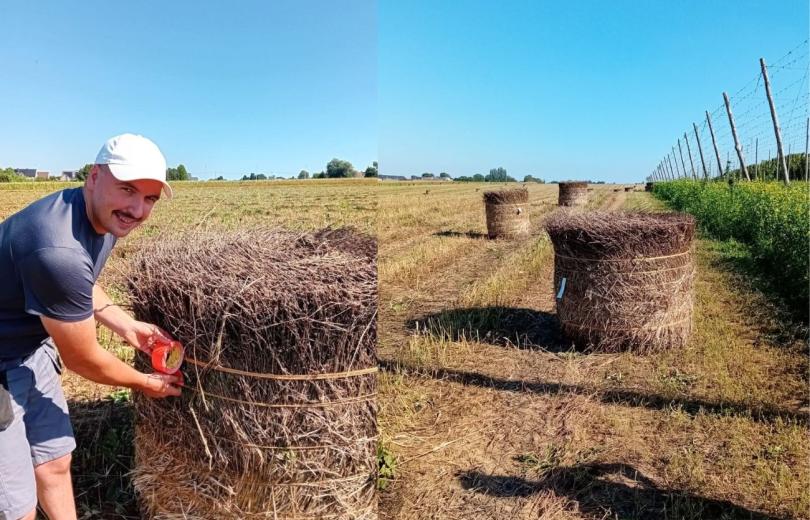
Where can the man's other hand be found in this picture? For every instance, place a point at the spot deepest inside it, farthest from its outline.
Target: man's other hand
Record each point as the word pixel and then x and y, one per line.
pixel 141 335
pixel 161 385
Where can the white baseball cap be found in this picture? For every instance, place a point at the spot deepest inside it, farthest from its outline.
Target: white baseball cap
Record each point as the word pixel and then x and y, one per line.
pixel 133 157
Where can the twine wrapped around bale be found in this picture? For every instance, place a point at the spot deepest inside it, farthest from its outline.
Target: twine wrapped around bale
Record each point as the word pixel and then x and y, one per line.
pixel 278 415
pixel 623 281
pixel 573 194
pixel 507 213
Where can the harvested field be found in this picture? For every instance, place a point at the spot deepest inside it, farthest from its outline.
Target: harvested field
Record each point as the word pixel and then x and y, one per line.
pixel 489 414
pixel 103 416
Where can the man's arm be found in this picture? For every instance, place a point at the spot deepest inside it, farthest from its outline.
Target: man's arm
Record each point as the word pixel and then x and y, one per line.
pixel 136 333
pixel 82 354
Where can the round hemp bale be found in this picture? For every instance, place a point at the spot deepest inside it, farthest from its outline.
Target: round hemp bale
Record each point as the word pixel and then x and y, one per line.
pixel 507 213
pixel 623 281
pixel 573 194
pixel 278 415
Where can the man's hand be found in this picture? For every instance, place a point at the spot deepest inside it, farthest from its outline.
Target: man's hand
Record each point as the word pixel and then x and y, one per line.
pixel 161 385
pixel 141 335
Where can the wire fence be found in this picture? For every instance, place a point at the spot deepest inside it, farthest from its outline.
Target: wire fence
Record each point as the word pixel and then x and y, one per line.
pixel 762 149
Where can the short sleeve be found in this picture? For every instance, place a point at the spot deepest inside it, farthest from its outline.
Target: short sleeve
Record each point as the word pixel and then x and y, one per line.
pixel 58 283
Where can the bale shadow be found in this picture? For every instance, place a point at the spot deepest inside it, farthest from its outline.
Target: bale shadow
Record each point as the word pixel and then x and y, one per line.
pixel 458 234
pixel 506 326
pixel 617 490
pixel 104 457
pixel 622 397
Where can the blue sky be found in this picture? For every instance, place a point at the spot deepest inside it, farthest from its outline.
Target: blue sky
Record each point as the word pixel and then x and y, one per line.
pixel 222 87
pixel 563 90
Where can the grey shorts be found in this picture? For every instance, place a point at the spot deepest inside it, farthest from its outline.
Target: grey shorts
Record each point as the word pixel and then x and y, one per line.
pixel 39 432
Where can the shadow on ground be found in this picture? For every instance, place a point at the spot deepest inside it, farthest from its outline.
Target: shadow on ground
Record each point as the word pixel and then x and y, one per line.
pixel 103 457
pixel 622 397
pixel 459 234
pixel 518 327
pixel 611 491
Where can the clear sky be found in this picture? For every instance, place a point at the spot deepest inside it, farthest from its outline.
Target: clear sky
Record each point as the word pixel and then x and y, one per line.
pixel 222 87
pixel 564 90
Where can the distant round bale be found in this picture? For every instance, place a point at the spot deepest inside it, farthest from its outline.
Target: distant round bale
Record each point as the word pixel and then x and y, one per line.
pixel 629 188
pixel 623 281
pixel 507 213
pixel 278 413
pixel 574 193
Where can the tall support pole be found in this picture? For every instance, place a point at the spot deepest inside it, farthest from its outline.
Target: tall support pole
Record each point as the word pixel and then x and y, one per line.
pixel 714 143
pixel 689 152
pixel 756 158
pixel 700 149
pixel 671 169
pixel 780 154
pixel 737 145
pixel 806 143
pixel 680 152
pixel 675 160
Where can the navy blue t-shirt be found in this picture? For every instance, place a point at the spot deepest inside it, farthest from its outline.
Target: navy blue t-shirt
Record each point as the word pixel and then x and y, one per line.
pixel 50 258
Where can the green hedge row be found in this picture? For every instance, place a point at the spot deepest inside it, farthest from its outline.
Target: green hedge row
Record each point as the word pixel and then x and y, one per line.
pixel 773 219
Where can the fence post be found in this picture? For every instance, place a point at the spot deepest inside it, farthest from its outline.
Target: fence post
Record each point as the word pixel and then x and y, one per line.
pixel 700 149
pixel 780 153
pixel 806 142
pixel 680 152
pixel 671 170
pixel 737 145
pixel 714 143
pixel 675 160
pixel 689 152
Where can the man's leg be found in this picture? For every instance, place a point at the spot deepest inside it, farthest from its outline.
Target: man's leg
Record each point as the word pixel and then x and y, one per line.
pixel 18 497
pixel 50 435
pixel 55 490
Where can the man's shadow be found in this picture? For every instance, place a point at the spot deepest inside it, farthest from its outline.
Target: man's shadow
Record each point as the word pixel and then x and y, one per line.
pixel 614 490
pixel 507 326
pixel 104 457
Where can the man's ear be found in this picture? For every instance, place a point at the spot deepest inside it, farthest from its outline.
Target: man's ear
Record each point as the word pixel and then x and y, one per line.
pixel 92 177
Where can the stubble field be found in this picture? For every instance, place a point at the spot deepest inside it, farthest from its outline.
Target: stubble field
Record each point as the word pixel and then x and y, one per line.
pixel 489 414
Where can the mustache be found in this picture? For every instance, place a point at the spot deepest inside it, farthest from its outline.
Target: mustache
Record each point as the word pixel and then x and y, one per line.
pixel 128 215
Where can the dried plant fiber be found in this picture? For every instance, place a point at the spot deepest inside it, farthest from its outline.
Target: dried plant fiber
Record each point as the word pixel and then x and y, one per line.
pixel 629 279
pixel 278 413
pixel 574 193
pixel 507 213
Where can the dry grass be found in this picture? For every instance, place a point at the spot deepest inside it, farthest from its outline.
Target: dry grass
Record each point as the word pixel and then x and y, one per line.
pixel 494 417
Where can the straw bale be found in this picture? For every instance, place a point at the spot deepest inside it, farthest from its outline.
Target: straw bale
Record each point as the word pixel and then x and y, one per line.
pixel 628 279
pixel 275 421
pixel 573 193
pixel 507 213
pixel 629 188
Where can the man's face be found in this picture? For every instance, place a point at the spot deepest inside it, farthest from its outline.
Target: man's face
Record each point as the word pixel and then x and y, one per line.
pixel 118 207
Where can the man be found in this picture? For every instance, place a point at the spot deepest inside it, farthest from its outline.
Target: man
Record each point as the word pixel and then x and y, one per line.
pixel 51 254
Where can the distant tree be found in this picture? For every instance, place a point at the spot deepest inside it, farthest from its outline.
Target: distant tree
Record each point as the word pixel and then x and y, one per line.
pixel 83 172
pixel 463 178
pixel 338 168
pixel 319 175
pixel 9 175
pixel 177 174
pixel 220 178
pixel 498 175
pixel 531 178
pixel 428 175
pixel 478 178
pixel 371 171
pixel 444 175
pixel 261 177
pixel 303 174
